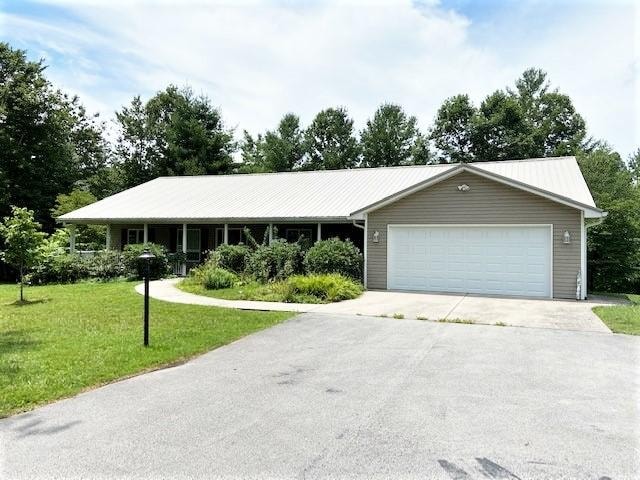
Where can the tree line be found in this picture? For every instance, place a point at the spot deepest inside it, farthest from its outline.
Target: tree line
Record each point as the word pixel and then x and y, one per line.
pixel 56 157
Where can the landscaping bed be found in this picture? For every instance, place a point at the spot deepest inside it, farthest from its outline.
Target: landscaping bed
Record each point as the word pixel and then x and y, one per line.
pixel 66 338
pixel 622 318
pixel 309 289
pixel 327 272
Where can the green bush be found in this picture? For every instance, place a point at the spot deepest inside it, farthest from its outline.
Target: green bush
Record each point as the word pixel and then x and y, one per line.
pixel 334 256
pixel 214 278
pixel 105 265
pixel 329 287
pixel 135 267
pixel 232 257
pixel 60 267
pixel 277 261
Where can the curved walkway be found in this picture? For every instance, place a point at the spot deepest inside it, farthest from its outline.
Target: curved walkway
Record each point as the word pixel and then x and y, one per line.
pixel 166 290
pixel 518 312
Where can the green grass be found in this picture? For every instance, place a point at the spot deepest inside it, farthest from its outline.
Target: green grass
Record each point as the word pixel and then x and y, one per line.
pixel 622 318
pixel 67 338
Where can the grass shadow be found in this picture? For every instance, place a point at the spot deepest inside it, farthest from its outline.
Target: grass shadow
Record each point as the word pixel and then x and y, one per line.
pixel 13 341
pixel 26 303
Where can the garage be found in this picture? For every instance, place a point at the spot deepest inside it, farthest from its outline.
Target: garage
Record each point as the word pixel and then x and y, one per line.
pixel 484 259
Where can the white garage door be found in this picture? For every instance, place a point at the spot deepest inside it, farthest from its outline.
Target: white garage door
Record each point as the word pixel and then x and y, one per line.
pixel 500 260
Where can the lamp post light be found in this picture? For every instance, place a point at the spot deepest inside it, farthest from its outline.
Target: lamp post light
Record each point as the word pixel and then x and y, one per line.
pixel 146 257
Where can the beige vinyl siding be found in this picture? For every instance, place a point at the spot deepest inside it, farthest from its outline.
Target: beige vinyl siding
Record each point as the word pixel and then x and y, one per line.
pixel 487 202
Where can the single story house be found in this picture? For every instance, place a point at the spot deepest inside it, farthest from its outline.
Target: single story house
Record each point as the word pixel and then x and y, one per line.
pixel 515 228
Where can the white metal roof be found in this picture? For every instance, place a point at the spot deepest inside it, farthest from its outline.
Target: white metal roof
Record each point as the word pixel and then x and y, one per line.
pixel 317 195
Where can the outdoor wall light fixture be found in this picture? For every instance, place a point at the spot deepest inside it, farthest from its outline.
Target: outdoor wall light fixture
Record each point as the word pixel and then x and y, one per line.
pixel 566 237
pixel 376 236
pixel 464 187
pixel 146 257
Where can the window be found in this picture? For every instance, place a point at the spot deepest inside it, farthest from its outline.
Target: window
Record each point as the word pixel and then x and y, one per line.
pixel 193 244
pixel 294 234
pixel 236 236
pixel 135 235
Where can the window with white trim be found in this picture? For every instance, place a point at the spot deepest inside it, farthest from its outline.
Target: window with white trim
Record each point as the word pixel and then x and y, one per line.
pixel 135 235
pixel 193 244
pixel 236 236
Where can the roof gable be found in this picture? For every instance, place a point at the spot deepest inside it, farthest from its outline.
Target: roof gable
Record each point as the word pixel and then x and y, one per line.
pixel 571 178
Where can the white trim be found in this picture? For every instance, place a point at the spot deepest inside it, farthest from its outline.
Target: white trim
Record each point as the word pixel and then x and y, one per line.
pixel 184 248
pixel 366 242
pixel 465 225
pixel 551 232
pixel 595 212
pixel 583 257
pixel 138 231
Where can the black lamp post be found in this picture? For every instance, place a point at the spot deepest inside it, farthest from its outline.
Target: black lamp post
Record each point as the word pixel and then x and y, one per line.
pixel 146 257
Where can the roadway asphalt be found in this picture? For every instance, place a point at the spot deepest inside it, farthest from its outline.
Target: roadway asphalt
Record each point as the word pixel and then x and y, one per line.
pixel 337 396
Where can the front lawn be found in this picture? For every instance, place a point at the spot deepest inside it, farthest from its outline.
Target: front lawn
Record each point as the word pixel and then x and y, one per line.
pixel 72 337
pixel 622 318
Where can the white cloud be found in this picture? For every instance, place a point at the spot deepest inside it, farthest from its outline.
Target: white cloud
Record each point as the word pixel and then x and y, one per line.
pixel 258 61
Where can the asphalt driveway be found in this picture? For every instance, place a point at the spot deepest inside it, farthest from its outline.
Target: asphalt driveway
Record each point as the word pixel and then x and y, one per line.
pixel 346 396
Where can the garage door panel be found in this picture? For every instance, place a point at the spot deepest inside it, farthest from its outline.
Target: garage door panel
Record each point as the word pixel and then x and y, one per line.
pixel 507 260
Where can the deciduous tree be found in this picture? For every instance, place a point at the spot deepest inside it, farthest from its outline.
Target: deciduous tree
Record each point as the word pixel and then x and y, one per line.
pixel 330 143
pixel 91 236
pixel 47 140
pixel 614 245
pixel 175 133
pixel 22 239
pixel 391 138
pixel 528 121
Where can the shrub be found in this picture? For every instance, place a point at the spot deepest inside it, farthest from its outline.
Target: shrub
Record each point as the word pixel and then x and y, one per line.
pixel 330 287
pixel 232 257
pixel 214 278
pixel 134 266
pixel 105 265
pixel 334 256
pixel 59 267
pixel 277 261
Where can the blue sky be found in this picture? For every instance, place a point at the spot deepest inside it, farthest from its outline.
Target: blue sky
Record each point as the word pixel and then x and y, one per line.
pixel 259 60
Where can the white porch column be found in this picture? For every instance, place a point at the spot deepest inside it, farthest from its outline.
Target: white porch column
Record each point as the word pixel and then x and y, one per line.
pixel 108 239
pixel 225 237
pixel 72 238
pixel 184 248
pixel 145 236
pixel 270 233
pixel 319 234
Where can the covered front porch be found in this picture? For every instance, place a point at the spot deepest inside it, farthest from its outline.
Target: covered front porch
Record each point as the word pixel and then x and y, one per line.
pixel 194 240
